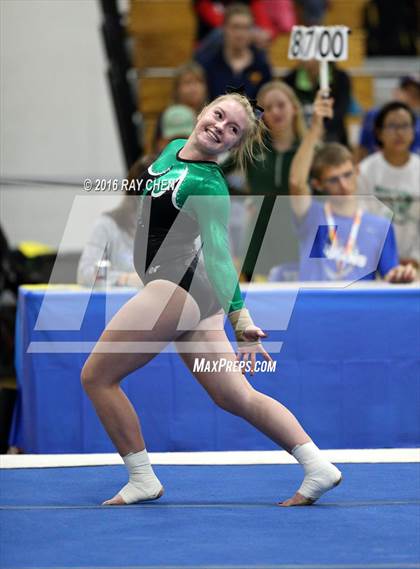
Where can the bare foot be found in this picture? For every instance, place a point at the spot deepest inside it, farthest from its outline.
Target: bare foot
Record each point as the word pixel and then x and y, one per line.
pixel 297 500
pixel 300 500
pixel 117 500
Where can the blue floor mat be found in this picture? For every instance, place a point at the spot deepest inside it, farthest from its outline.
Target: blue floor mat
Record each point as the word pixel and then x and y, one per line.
pixel 211 516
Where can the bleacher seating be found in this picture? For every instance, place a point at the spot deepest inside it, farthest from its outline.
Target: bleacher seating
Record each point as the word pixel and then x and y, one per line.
pixel 163 32
pixel 155 95
pixel 363 90
pixel 345 13
pixel 163 37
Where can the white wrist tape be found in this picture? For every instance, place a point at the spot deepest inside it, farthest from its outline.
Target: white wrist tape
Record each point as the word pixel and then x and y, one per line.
pixel 241 320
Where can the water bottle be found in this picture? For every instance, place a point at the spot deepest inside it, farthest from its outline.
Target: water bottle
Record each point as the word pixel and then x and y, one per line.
pixel 103 266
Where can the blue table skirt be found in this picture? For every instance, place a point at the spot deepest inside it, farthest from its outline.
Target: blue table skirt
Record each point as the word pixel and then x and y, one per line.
pixel 349 369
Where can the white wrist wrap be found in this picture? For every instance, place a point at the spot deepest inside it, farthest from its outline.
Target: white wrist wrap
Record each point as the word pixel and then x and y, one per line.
pixel 240 320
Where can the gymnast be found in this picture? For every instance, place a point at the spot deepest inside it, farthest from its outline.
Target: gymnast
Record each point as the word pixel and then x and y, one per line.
pixel 188 288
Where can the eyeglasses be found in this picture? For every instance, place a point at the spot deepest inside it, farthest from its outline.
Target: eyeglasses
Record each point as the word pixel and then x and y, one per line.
pixel 335 180
pixel 394 127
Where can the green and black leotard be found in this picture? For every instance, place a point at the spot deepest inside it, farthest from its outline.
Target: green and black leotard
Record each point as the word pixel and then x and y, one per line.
pixel 182 200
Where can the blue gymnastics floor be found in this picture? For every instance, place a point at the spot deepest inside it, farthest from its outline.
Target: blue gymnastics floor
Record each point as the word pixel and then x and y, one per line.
pixel 219 517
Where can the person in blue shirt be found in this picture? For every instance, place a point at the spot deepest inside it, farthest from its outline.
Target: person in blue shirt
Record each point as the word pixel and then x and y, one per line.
pixel 339 240
pixel 237 62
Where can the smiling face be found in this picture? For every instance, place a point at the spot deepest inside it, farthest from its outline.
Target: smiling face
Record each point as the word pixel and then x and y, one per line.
pixel 279 111
pixel 220 127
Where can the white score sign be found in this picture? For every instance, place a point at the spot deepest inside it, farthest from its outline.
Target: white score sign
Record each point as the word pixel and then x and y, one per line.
pixel 318 42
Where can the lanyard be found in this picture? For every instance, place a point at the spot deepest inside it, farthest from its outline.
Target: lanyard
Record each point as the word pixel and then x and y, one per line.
pixel 332 233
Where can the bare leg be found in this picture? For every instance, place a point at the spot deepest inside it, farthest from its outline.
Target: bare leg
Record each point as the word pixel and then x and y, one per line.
pixel 232 392
pixel 114 357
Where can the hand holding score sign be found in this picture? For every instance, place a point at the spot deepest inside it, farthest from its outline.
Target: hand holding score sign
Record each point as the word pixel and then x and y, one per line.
pixel 321 43
pixel 322 109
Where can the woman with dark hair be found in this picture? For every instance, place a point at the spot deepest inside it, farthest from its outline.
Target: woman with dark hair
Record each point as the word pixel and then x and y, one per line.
pixel 393 175
pixel 407 91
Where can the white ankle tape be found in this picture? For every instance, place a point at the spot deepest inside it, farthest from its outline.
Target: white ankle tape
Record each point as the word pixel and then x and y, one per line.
pixel 143 484
pixel 131 493
pixel 320 475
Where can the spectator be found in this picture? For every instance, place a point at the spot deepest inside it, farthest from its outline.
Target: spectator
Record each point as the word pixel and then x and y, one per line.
pixel 190 89
pixel 115 231
pixel 268 176
pixel 304 79
pixel 311 12
pixel 282 16
pixel 270 16
pixel 237 62
pixel 177 121
pixel 338 240
pixel 408 92
pixel 393 175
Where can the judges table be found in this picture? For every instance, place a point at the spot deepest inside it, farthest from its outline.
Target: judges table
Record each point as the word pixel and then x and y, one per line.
pixel 348 368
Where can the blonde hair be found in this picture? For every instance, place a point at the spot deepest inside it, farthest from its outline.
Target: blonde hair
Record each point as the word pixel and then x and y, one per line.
pixel 299 126
pixel 252 142
pixel 330 154
pixel 190 68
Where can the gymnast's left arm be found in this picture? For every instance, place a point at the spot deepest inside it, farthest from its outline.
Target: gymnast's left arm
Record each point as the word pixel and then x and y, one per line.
pixel 211 207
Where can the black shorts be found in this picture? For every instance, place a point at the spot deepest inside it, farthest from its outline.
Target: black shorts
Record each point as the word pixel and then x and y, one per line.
pixel 190 274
